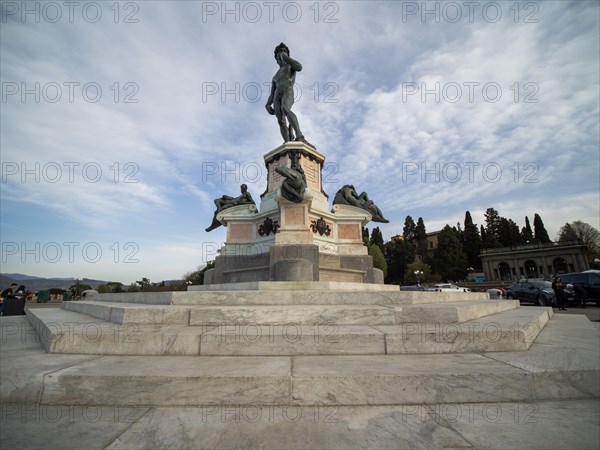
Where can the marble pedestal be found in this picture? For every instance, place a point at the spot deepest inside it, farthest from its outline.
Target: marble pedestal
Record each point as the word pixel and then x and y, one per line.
pixel 286 241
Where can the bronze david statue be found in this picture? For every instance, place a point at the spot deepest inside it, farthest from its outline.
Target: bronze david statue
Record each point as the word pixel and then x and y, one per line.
pixel 281 98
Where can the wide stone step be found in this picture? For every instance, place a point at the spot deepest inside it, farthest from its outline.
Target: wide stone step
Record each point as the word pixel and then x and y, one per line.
pixel 290 297
pixel 64 331
pixel 233 298
pixel 349 314
pixel 121 312
pixel 310 380
pixel 452 312
pixel 297 314
pixel 352 314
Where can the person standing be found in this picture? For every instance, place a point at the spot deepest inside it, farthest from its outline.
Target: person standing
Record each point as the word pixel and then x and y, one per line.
pixel 14 304
pixel 5 293
pixel 559 291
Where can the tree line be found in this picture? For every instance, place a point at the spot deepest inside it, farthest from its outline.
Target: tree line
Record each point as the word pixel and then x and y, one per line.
pixel 458 247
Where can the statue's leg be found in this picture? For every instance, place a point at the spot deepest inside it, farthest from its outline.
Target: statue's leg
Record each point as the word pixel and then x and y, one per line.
pixel 281 119
pixel 215 224
pixel 294 124
pixel 286 105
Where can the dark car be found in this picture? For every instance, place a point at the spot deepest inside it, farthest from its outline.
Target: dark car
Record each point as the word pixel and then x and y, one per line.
pixel 416 287
pixel 586 285
pixel 538 292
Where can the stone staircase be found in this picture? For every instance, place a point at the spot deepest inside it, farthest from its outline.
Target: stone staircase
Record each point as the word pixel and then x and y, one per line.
pixel 285 347
pixel 302 365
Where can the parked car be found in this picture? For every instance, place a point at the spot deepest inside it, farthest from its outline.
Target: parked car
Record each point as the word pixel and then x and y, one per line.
pixel 586 285
pixel 88 293
pixel 416 287
pixel 447 287
pixel 495 293
pixel 538 292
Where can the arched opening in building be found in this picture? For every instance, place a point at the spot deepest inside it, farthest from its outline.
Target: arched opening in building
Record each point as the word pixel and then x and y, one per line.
pixel 560 265
pixel 504 271
pixel 531 270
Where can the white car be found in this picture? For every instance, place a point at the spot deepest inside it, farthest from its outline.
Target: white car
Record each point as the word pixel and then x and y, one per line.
pixel 447 287
pixel 88 293
pixel 495 294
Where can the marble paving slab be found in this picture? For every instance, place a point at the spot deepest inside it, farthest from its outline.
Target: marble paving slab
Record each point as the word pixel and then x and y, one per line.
pixel 397 379
pixel 170 380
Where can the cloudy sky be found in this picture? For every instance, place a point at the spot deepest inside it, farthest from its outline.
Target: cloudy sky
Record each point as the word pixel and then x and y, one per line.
pixel 121 122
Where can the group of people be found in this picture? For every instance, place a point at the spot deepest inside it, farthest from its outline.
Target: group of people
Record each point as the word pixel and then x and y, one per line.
pixel 12 300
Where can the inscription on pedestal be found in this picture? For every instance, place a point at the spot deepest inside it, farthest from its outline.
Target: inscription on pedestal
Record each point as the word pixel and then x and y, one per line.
pixel 275 179
pixel 311 170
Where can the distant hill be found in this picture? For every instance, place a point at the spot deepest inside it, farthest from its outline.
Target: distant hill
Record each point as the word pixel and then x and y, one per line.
pixel 21 277
pixel 38 283
pixel 35 284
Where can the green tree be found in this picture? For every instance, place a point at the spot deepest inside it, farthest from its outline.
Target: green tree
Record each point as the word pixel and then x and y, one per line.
pixel 377 239
pixel 379 261
pixel 509 233
pixel 116 286
pixel 144 284
pixel 197 277
pixel 409 230
pixel 449 259
pixel 411 278
pixel 365 236
pixel 567 233
pixel 492 228
pixel 539 230
pixel 584 232
pixel 78 288
pixel 104 289
pixel 472 242
pixel 399 253
pixel 421 237
pixel 527 232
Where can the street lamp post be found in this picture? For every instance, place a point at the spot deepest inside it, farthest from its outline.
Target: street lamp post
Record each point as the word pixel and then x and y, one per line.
pixel 418 274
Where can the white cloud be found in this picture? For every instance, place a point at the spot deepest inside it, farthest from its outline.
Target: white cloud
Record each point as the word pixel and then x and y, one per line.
pixel 373 136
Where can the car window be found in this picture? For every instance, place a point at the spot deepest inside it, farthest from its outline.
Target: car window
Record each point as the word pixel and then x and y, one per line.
pixel 577 278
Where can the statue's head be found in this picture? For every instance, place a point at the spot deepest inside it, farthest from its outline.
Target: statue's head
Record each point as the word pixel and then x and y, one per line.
pixel 281 47
pixel 244 187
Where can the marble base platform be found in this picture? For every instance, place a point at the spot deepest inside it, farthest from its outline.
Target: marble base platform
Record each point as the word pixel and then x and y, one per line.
pixel 65 331
pixel 53 400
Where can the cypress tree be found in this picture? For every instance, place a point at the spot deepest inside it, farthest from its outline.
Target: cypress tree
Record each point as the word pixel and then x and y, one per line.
pixel 492 228
pixel 472 242
pixel 379 261
pixel 526 232
pixel 377 239
pixel 539 230
pixel 421 237
pixel 408 232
